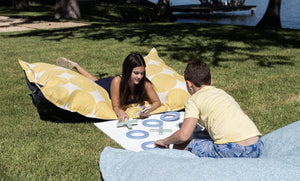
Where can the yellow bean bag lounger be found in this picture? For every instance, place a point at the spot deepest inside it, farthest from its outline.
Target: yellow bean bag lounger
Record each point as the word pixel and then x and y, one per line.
pixel 64 95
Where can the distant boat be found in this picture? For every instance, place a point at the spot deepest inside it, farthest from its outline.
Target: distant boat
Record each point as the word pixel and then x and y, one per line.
pixel 214 6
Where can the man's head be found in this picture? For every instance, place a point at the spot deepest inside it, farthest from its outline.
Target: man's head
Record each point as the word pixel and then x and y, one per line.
pixel 197 72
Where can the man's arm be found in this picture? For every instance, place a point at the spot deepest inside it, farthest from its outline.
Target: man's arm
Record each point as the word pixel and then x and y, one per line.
pixel 180 136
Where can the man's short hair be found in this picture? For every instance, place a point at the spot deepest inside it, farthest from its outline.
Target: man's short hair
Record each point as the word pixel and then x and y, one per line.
pixel 198 73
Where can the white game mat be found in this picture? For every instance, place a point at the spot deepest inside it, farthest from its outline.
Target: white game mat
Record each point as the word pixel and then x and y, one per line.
pixel 143 132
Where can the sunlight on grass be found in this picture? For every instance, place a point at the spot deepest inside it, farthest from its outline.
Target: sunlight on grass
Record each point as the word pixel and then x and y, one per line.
pixel 261 72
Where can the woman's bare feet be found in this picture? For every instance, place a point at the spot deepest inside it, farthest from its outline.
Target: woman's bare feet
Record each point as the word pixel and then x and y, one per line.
pixel 61 61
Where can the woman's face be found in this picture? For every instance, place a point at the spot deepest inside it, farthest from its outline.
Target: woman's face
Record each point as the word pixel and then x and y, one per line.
pixel 137 74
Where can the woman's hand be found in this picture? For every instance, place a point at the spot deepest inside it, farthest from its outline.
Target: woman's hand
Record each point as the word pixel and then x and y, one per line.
pixel 145 113
pixel 122 115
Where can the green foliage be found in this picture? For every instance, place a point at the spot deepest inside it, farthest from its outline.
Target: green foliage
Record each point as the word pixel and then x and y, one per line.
pixel 260 68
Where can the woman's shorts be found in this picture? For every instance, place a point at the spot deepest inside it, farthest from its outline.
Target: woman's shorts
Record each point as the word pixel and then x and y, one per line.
pixel 105 83
pixel 207 148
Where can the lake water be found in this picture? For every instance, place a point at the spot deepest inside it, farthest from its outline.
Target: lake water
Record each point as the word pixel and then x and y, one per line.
pixel 289 14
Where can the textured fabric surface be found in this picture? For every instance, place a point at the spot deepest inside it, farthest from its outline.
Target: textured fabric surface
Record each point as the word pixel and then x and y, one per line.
pixel 105 83
pixel 207 148
pixel 71 92
pixel 169 85
pixel 68 90
pixel 221 115
pixel 280 161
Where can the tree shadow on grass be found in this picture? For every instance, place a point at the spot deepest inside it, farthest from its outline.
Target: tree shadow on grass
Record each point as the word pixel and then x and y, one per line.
pixel 188 41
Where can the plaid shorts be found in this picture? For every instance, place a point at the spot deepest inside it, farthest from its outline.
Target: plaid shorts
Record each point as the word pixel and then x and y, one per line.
pixel 207 148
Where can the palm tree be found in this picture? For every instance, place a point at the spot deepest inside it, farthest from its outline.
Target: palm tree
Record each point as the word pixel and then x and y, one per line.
pixel 163 12
pixel 271 18
pixel 67 9
pixel 20 4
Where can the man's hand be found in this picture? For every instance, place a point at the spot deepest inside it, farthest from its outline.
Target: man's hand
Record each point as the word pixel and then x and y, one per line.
pixel 161 144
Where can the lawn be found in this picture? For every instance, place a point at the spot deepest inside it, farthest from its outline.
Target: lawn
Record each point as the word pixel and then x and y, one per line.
pixel 258 67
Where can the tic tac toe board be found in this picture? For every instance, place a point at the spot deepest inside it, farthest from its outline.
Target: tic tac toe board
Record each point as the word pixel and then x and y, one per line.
pixel 140 134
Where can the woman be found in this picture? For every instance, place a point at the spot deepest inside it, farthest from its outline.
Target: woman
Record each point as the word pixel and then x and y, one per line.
pixel 131 86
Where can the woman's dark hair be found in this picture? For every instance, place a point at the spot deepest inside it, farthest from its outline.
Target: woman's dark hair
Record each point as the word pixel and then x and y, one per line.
pixel 198 73
pixel 131 61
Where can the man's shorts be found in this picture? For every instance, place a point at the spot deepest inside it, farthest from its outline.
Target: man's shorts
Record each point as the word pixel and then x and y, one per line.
pixel 207 148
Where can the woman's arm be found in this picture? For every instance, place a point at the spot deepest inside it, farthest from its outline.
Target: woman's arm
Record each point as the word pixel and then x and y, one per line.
pixel 115 99
pixel 153 98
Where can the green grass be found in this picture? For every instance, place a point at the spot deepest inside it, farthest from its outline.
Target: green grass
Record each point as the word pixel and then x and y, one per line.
pixel 260 68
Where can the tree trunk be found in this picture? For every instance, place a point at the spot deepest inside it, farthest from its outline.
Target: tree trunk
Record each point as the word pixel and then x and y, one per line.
pixel 163 12
pixel 271 18
pixel 20 4
pixel 67 9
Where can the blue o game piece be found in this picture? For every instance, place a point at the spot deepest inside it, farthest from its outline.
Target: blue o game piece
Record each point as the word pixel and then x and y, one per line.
pixel 174 116
pixel 159 123
pixel 146 147
pixel 129 134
